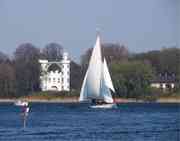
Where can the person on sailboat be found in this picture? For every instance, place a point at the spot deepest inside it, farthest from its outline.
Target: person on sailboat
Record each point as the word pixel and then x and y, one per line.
pixel 99 102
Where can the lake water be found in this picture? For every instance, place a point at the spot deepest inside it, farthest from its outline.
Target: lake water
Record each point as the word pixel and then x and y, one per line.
pixel 77 122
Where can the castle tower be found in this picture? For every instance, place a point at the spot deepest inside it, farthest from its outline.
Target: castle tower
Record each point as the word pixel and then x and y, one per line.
pixel 65 72
pixel 55 76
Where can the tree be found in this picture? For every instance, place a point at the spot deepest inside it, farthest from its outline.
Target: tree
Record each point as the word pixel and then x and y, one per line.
pixel 7 80
pixel 27 68
pixel 170 60
pixel 151 57
pixel 76 76
pixel 114 52
pixel 131 79
pixel 167 59
pixel 7 77
pixel 52 52
pixel 111 51
pixel 3 57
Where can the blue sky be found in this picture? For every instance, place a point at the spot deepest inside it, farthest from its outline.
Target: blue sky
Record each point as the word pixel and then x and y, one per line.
pixel 141 25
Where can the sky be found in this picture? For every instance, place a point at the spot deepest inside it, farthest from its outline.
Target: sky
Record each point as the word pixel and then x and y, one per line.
pixel 141 25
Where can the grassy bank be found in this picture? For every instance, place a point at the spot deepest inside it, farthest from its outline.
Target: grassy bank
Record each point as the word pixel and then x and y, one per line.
pixel 169 97
pixel 73 96
pixel 51 95
pixel 69 97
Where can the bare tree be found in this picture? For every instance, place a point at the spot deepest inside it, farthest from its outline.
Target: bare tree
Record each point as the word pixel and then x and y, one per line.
pixel 7 80
pixel 111 51
pixel 52 52
pixel 27 68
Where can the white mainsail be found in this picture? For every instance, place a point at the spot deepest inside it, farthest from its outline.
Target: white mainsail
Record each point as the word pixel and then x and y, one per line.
pixel 83 94
pixel 94 71
pixel 97 81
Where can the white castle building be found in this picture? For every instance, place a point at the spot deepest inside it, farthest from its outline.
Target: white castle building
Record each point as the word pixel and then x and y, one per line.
pixel 55 76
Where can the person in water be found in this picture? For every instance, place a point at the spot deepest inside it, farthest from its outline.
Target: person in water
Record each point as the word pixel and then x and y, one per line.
pixel 25 111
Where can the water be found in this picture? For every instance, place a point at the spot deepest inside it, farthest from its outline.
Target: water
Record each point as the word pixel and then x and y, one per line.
pixel 77 122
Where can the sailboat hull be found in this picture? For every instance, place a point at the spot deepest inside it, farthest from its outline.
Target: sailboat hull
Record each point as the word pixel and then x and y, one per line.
pixel 104 106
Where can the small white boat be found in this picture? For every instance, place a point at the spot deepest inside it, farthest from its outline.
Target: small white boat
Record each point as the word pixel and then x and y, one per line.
pixel 97 84
pixel 21 103
pixel 105 106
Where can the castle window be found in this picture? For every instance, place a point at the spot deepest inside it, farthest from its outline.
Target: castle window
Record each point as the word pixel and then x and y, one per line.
pixel 58 80
pixel 49 80
pixel 54 67
pixel 54 79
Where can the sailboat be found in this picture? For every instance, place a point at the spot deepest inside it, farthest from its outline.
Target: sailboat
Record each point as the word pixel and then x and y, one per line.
pixel 21 103
pixel 97 84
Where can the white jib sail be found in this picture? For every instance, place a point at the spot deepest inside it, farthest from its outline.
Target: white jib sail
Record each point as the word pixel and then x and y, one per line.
pixel 107 76
pixel 105 90
pixel 94 72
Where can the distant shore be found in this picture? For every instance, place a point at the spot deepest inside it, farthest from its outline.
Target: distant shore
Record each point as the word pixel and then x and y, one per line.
pixel 75 100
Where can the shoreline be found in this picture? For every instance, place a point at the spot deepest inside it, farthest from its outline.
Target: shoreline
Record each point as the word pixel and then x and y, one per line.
pixel 75 100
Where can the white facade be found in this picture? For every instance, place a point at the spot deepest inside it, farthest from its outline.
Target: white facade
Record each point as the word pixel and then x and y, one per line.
pixel 156 85
pixel 163 85
pixel 56 80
